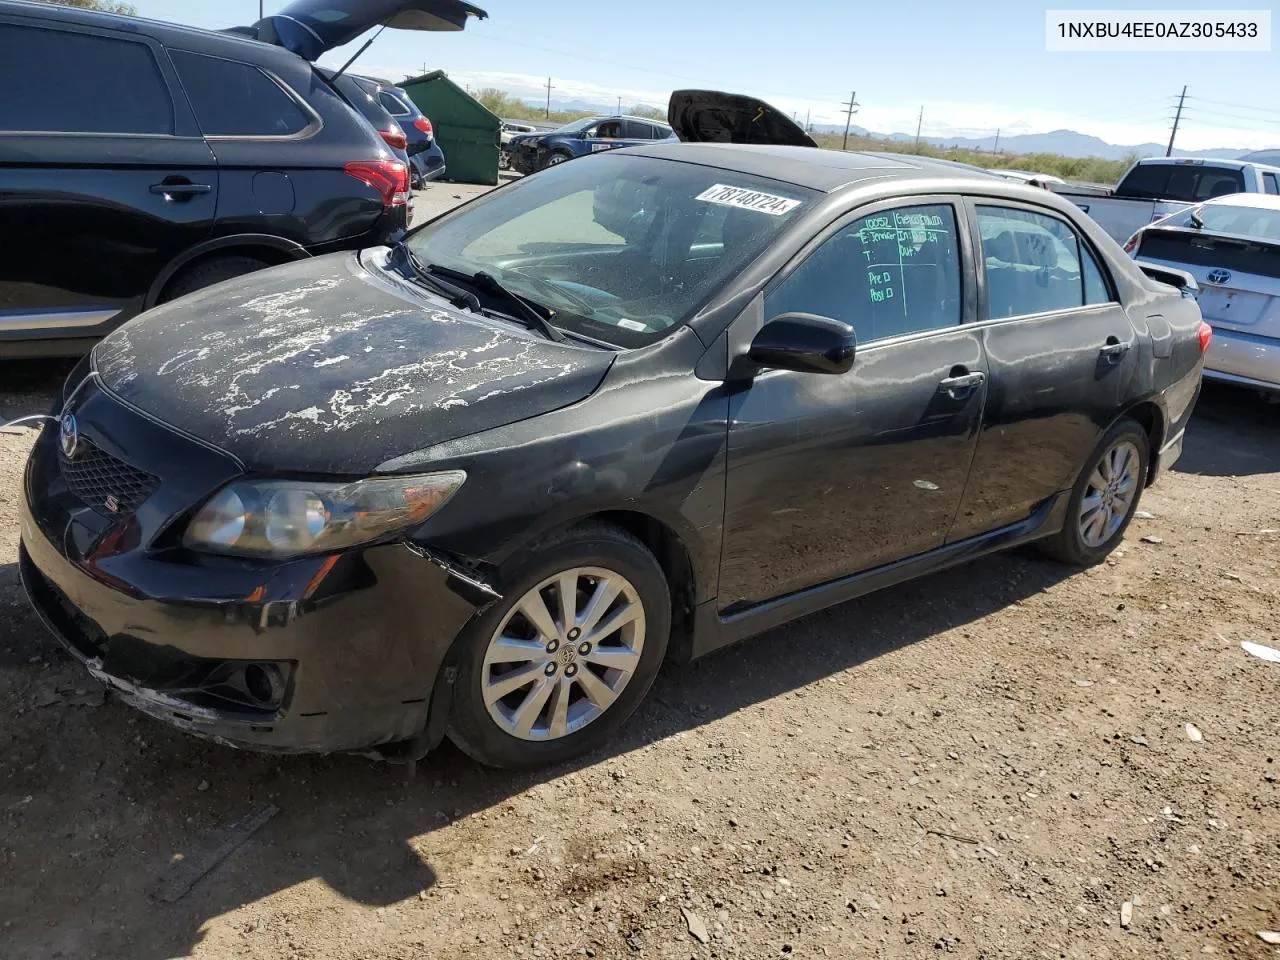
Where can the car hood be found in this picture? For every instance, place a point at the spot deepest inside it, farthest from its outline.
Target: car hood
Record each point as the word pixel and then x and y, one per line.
pixel 332 366
pixel 311 28
pixel 708 116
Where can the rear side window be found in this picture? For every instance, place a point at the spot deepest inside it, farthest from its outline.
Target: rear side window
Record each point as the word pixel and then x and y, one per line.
pixel 236 99
pixel 1036 263
pixel 1270 183
pixel 80 83
pixel 1190 184
pixel 889 274
pixel 1147 181
pixel 393 105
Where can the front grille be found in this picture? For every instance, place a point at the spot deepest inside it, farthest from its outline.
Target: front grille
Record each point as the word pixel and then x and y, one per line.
pixel 106 484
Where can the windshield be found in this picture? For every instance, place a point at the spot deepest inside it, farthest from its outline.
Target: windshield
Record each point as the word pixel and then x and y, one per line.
pixel 576 126
pixel 1253 222
pixel 622 248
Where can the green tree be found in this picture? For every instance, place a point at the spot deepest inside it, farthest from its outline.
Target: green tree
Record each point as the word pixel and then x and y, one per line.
pixel 652 113
pixel 105 6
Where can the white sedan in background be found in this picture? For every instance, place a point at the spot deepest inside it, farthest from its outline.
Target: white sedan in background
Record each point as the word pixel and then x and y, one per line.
pixel 1231 246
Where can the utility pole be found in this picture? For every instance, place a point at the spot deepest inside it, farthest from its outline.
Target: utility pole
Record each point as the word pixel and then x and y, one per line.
pixel 996 148
pixel 850 109
pixel 261 15
pixel 807 112
pixel 919 124
pixel 548 98
pixel 1177 117
pixel 619 104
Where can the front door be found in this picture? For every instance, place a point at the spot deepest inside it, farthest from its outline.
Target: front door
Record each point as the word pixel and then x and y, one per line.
pixel 831 475
pixel 1061 351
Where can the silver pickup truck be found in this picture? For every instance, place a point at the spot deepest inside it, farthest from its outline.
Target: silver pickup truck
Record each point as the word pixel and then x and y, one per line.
pixel 1157 187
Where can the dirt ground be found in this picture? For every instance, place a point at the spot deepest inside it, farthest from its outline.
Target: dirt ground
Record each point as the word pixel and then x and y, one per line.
pixel 991 762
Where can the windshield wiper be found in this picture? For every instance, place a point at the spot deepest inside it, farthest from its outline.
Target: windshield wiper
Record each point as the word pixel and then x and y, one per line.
pixel 488 283
pixel 419 271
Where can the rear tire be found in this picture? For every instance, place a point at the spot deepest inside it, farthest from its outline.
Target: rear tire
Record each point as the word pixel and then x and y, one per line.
pixel 543 688
pixel 207 273
pixel 1104 498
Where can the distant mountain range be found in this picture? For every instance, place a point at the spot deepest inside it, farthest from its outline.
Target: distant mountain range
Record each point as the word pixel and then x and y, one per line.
pixel 1067 143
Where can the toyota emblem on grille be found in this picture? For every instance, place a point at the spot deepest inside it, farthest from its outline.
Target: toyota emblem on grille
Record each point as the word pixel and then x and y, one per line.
pixel 69 436
pixel 1219 276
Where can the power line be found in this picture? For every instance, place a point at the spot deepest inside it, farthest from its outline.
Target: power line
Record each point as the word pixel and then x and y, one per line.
pixel 1237 106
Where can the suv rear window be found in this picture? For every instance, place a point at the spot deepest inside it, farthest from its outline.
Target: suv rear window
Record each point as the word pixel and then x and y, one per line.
pixel 393 105
pixel 80 83
pixel 234 99
pixel 1148 181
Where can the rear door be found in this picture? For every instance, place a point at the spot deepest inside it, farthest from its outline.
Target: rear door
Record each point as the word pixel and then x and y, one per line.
pixel 1061 351
pixel 103 178
pixel 832 475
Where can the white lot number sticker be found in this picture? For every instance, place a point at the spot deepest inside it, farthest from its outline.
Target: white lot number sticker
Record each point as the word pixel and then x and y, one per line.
pixel 745 199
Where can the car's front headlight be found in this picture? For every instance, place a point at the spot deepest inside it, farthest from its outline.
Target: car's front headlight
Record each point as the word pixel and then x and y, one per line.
pixel 288 518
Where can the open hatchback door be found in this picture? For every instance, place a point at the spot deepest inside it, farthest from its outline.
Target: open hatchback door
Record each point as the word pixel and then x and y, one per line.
pixel 709 116
pixel 311 28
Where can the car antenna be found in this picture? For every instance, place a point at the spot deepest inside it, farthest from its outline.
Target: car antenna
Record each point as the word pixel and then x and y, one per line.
pixel 356 56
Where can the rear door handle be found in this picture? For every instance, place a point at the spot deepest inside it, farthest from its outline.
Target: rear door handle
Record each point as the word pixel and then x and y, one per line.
pixel 1113 350
pixel 961 386
pixel 180 191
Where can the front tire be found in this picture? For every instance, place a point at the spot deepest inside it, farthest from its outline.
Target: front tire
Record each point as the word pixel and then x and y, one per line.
pixel 554 669
pixel 557 158
pixel 1104 498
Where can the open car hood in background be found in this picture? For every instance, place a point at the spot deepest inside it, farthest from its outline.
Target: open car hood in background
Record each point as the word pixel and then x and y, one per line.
pixel 708 116
pixel 311 28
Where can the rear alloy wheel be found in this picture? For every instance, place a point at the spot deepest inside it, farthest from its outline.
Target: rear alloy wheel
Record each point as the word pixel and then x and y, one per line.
pixel 1104 498
pixel 554 669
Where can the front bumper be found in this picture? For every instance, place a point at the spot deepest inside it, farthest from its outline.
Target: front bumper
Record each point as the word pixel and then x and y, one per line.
pixel 1244 358
pixel 349 648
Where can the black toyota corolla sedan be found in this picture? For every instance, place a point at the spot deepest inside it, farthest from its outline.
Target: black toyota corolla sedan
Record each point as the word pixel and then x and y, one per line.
pixel 483 483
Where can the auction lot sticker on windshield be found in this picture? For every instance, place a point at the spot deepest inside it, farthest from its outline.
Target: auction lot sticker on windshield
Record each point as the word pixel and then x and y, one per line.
pixel 746 199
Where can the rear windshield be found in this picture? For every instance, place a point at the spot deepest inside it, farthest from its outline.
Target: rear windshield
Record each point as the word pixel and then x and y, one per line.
pixel 623 248
pixel 1240 221
pixel 1187 183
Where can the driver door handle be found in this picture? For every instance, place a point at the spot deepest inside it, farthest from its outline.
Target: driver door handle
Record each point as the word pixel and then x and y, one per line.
pixel 961 386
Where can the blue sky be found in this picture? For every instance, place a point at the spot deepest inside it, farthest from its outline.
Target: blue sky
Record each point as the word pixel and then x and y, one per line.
pixel 973 66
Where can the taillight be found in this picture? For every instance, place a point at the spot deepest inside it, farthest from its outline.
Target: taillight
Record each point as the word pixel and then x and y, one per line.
pixel 1206 335
pixel 424 125
pixel 389 177
pixel 1131 244
pixel 395 139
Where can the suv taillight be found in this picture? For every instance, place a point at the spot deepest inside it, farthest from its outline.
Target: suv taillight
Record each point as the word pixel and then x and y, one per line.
pixel 1131 244
pixel 1206 336
pixel 395 139
pixel 389 177
pixel 424 126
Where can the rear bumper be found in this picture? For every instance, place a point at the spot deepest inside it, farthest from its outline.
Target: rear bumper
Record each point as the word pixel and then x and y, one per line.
pixel 1244 358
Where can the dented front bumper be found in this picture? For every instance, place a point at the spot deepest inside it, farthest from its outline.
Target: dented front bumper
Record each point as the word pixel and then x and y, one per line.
pixel 309 655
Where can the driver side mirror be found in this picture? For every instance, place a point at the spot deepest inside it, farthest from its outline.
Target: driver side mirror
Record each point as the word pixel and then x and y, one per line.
pixel 804 343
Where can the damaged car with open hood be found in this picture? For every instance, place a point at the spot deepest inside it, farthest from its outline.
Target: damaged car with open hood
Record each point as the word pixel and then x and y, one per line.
pixel 484 482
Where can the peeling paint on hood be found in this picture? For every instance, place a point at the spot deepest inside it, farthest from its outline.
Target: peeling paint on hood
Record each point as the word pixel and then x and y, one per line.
pixel 325 366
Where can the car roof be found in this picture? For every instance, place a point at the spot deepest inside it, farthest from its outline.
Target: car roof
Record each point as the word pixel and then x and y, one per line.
pixel 1203 161
pixel 817 169
pixel 175 34
pixel 1259 201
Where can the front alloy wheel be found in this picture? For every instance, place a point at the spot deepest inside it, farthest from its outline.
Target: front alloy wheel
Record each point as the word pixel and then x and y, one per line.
pixel 552 670
pixel 563 654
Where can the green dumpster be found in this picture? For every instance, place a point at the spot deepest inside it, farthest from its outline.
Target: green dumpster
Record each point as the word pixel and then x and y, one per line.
pixel 468 133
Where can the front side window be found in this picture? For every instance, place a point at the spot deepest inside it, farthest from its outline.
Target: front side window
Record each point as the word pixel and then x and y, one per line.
pixel 892 273
pixel 623 248
pixel 80 83
pixel 1271 183
pixel 1036 263
pixel 233 99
